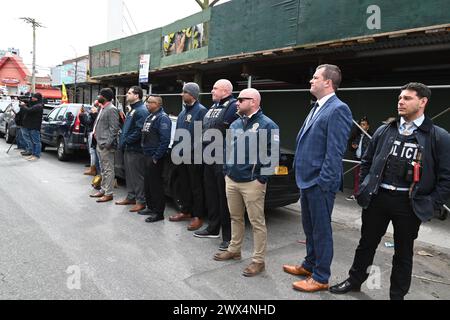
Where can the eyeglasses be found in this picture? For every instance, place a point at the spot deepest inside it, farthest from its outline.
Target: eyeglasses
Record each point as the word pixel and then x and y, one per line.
pixel 243 99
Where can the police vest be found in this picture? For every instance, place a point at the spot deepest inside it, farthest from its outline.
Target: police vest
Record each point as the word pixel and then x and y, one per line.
pixel 150 135
pixel 399 170
pixel 214 119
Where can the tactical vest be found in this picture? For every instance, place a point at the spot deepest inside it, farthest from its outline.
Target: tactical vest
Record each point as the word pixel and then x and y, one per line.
pixel 399 170
pixel 150 134
pixel 214 119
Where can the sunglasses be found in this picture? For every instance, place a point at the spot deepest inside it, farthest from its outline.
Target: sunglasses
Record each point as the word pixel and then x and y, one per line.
pixel 243 99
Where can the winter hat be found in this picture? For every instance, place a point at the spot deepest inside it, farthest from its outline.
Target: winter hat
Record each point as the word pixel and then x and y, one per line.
pixel 193 89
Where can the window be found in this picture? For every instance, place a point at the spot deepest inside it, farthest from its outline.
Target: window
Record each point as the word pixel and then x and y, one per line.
pixel 53 114
pixel 61 114
pixel 106 59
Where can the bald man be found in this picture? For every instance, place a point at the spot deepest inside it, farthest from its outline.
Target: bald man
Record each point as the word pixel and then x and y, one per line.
pixel 221 115
pixel 246 183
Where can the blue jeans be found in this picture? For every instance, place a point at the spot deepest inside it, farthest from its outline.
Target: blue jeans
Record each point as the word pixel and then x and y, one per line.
pixel 20 141
pixel 33 141
pixel 317 207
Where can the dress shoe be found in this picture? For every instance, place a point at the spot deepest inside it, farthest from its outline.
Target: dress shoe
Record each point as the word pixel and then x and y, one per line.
pixel 138 207
pixel 91 172
pixel 227 255
pixel 105 199
pixel 154 218
pixel 297 271
pixel 344 287
pixel 196 223
pixel 310 285
pixel 126 202
pixel 146 212
pixel 97 195
pixel 254 269
pixel 180 217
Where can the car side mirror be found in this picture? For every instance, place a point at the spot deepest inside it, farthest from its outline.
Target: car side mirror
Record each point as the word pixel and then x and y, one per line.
pixel 45 118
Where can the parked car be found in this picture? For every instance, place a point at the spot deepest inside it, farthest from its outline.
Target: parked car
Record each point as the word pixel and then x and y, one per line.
pixel 281 191
pixel 62 129
pixel 7 123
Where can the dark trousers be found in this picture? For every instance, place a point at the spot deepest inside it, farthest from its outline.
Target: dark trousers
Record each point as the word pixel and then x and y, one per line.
pixel 385 207
pixel 216 201
pixel 317 207
pixel 189 189
pixel 154 186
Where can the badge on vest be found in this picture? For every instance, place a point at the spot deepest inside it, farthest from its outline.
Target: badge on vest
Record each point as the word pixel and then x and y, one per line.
pixel 189 118
pixel 255 127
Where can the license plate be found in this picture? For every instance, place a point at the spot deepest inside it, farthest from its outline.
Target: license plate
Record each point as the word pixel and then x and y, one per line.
pixel 281 171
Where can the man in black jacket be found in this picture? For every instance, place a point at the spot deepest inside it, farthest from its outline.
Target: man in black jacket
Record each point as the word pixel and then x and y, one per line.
pixel 405 176
pixel 31 130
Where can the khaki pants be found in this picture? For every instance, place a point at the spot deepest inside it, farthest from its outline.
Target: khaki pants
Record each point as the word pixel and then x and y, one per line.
pixel 250 196
pixel 107 165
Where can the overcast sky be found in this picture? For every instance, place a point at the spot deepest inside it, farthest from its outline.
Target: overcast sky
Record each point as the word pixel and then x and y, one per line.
pixel 78 24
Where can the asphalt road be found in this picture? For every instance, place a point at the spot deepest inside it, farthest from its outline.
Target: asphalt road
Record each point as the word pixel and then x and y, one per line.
pixel 57 243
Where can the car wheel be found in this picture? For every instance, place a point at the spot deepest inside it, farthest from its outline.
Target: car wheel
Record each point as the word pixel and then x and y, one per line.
pixel 8 137
pixel 62 151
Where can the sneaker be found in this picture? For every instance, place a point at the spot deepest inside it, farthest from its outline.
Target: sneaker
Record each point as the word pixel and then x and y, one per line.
pixel 205 234
pixel 26 153
pixel 32 158
pixel 351 198
pixel 224 246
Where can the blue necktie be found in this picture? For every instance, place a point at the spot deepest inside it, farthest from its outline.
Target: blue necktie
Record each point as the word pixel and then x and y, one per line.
pixel 313 111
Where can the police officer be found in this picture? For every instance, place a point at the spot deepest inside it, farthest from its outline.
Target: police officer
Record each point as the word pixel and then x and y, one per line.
pixel 221 115
pixel 190 184
pixel 405 176
pixel 155 142
pixel 130 142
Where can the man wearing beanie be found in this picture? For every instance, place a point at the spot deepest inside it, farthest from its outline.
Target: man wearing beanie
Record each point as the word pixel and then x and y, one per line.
pixel 32 121
pixel 106 130
pixel 189 189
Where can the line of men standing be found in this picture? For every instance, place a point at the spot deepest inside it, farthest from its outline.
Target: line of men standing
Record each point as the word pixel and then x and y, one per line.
pixel 145 140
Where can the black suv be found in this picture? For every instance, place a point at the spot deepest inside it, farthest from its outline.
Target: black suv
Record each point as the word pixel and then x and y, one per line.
pixel 62 129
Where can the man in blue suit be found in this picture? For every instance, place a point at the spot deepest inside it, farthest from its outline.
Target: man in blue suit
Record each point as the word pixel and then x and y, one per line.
pixel 321 144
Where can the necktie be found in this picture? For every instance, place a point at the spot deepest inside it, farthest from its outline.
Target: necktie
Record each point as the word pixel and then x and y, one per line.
pixel 311 115
pixel 245 121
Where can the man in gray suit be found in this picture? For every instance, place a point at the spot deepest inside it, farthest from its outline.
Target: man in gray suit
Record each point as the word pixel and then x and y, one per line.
pixel 106 130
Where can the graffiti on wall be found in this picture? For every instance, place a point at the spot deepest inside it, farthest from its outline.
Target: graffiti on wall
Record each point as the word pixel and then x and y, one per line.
pixel 182 41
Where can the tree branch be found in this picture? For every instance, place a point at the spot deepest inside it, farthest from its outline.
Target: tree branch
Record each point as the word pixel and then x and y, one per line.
pixel 213 3
pixel 200 4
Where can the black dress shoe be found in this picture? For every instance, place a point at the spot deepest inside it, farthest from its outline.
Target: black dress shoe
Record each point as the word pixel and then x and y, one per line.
pixel 146 212
pixel 154 218
pixel 344 287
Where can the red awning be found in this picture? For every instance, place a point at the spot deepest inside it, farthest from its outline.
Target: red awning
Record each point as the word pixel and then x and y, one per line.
pixel 50 93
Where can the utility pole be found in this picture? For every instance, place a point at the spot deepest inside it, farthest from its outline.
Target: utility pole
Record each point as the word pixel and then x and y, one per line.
pixel 35 25
pixel 75 96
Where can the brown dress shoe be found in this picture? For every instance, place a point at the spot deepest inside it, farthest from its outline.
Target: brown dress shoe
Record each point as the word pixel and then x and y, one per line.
pixel 97 195
pixel 180 217
pixel 105 199
pixel 310 285
pixel 254 269
pixel 91 172
pixel 297 271
pixel 196 223
pixel 126 202
pixel 138 207
pixel 227 255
